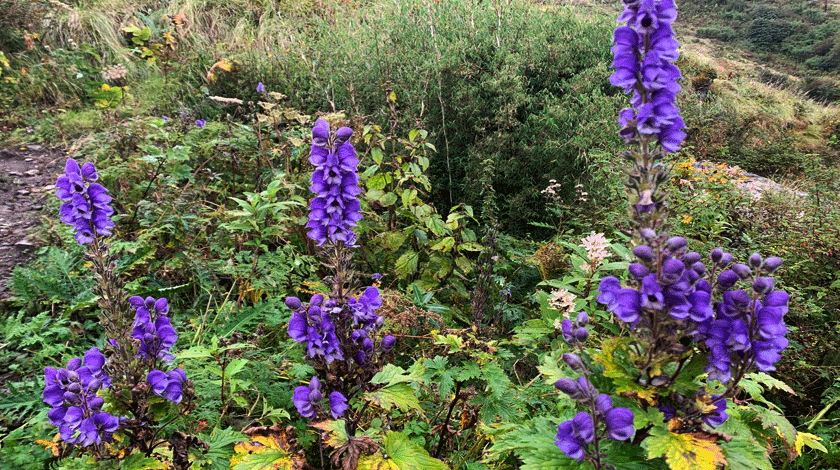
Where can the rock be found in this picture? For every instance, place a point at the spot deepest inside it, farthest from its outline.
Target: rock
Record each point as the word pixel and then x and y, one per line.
pixel 23 192
pixel 33 172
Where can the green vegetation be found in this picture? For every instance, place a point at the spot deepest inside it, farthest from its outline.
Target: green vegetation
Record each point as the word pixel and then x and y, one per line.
pixel 464 113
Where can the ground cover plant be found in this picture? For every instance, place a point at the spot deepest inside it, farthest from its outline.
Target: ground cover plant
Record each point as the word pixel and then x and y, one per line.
pixel 298 266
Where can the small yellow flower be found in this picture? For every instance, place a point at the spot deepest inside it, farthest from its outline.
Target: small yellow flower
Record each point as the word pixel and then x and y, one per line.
pixel 687 219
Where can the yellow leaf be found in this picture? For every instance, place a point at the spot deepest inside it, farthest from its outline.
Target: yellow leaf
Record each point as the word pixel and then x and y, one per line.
pixel 52 446
pixel 690 451
pixel 810 440
pixel 336 432
pixel 271 452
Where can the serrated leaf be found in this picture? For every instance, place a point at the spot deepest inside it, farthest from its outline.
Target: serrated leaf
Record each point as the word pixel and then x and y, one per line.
pixel 444 245
pixel 391 374
pixel 265 453
pixel 388 199
pixel 689 451
pixel 336 432
pixel 400 453
pixel 810 440
pixel 407 263
pixel 773 419
pixel 745 453
pixel 619 368
pixel 770 382
pixel 393 241
pixel 399 395
pixel 141 462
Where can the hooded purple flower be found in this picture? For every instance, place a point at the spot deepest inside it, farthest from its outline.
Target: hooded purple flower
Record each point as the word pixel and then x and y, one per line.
pixel 574 435
pixel 168 385
pixel 338 405
pixel 153 328
pixel 335 209
pixel 307 398
pixel 87 204
pixel 643 52
pixel 76 408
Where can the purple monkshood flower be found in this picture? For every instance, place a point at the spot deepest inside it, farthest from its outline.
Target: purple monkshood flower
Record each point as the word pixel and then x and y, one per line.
pixel 76 407
pixel 574 435
pixel 169 385
pixel 388 343
pixel 364 307
pixel 200 123
pixel 87 204
pixel 314 326
pixel 644 51
pixel 376 276
pixel 165 118
pixel 338 405
pixel 719 415
pixel 335 209
pixel 260 87
pixel 153 328
pixel 306 398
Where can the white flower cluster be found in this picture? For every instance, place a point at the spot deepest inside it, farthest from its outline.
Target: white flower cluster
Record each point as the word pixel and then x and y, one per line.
pixel 552 192
pixel 114 72
pixel 563 301
pixel 596 246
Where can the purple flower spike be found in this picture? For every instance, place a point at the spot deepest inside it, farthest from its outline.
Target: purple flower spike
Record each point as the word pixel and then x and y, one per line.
pixel 335 209
pixel 87 204
pixel 260 87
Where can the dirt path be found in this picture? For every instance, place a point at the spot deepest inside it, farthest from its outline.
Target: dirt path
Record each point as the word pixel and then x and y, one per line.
pixel 27 181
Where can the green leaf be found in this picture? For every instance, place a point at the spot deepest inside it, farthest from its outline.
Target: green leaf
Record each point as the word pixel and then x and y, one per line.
pixel 407 263
pixel 745 453
pixel 400 453
pixel 140 462
pixel 399 395
pixel 393 241
pixel 444 245
pixel 391 374
pixel 436 225
pixel 388 199
pixel 376 154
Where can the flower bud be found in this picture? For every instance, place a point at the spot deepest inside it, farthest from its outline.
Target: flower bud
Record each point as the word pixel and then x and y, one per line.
pixel 316 299
pixel 293 303
pixel 691 258
pixel 388 343
pixel 95 403
pixel 727 279
pixel 676 244
pixel 742 270
pixel 573 361
pixel 603 403
pixel 647 234
pixel 74 387
pixel 315 396
pixel 755 260
pixel 72 376
pixel 716 255
pixel 699 268
pixel 582 318
pixel 581 334
pixel 672 270
pixel 638 271
pixel 567 386
pixel 74 364
pixel 94 385
pixel 367 345
pixel 360 357
pixel 644 253
pixel 763 285
pixel 771 264
pixel 725 260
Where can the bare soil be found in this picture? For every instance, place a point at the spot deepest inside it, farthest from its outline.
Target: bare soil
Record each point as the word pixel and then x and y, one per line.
pixel 27 181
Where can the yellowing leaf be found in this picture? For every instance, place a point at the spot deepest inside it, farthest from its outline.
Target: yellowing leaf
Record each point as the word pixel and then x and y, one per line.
pixel 52 446
pixel 810 440
pixel 336 432
pixel 400 453
pixel 265 453
pixel 616 367
pixel 684 451
pixel 399 395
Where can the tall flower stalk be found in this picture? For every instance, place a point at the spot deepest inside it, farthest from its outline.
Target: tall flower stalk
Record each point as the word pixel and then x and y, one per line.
pixel 136 363
pixel 339 330
pixel 675 304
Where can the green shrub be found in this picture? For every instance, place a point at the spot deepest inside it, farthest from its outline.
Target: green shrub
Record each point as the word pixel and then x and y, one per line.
pixel 722 33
